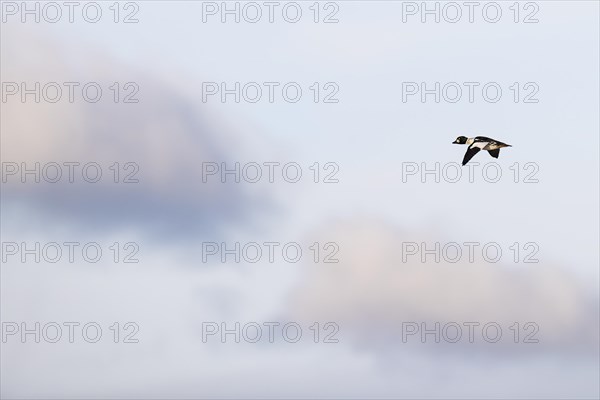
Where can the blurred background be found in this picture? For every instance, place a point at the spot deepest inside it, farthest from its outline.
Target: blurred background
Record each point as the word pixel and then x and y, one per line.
pixel 372 293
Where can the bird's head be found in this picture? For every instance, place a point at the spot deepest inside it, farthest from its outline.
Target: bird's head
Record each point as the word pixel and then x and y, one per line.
pixel 460 140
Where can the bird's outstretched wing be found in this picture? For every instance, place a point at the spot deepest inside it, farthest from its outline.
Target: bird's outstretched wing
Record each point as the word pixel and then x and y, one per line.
pixel 471 151
pixel 482 139
pixel 494 153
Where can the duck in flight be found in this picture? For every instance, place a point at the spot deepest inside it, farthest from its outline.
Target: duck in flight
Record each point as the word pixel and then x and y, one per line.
pixel 480 143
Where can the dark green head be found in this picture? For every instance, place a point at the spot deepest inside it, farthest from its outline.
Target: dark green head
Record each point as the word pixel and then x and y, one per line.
pixel 460 140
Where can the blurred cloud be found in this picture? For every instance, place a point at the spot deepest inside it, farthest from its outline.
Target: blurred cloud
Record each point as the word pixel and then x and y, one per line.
pixel 165 134
pixel 371 292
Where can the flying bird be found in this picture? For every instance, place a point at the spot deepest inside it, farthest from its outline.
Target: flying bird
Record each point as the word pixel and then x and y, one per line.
pixel 480 143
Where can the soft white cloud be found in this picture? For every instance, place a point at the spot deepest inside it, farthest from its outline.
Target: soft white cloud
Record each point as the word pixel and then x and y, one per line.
pixel 371 291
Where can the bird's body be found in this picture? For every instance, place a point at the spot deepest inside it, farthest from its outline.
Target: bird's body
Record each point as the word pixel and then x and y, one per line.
pixel 480 143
